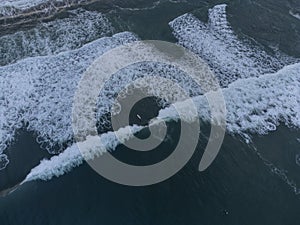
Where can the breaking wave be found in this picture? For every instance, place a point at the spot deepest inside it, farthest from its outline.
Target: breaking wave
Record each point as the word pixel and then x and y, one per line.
pixel 256 105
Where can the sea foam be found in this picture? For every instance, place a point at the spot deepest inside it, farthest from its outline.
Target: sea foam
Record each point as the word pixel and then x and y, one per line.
pixel 257 105
pixel 73 157
pixel 15 8
pixel 56 36
pixel 295 14
pixel 254 105
pixel 229 57
pixel 258 98
pixel 38 92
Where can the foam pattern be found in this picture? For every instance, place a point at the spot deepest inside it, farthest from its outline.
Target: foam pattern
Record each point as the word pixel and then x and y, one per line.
pixel 13 8
pixel 38 92
pixel 56 36
pixel 254 105
pixel 230 57
pixel 73 157
pixel 3 160
pixel 257 105
pixel 21 4
pixel 120 83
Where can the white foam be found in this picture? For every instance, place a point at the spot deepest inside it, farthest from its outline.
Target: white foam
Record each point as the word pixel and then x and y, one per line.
pixel 229 57
pixel 72 157
pixel 11 8
pixel 44 101
pixel 118 82
pixel 255 105
pixel 38 92
pixel 56 36
pixel 3 161
pixel 295 14
pixel 21 4
pixel 298 159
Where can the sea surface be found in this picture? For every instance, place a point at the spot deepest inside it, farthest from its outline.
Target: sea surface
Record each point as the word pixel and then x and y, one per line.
pixel 253 48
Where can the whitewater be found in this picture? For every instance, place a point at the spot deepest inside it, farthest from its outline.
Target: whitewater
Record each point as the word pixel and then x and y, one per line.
pixel 15 8
pixel 261 90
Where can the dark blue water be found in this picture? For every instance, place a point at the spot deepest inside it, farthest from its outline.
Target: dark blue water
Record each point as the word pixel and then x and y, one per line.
pixel 254 183
pixel 239 188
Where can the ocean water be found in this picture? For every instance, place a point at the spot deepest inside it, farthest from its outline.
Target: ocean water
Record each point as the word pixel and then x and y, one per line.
pixel 253 48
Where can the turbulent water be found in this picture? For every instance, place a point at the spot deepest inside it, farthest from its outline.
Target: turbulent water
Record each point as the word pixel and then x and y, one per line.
pixel 41 67
pixel 12 8
pixel 216 42
pixel 54 37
